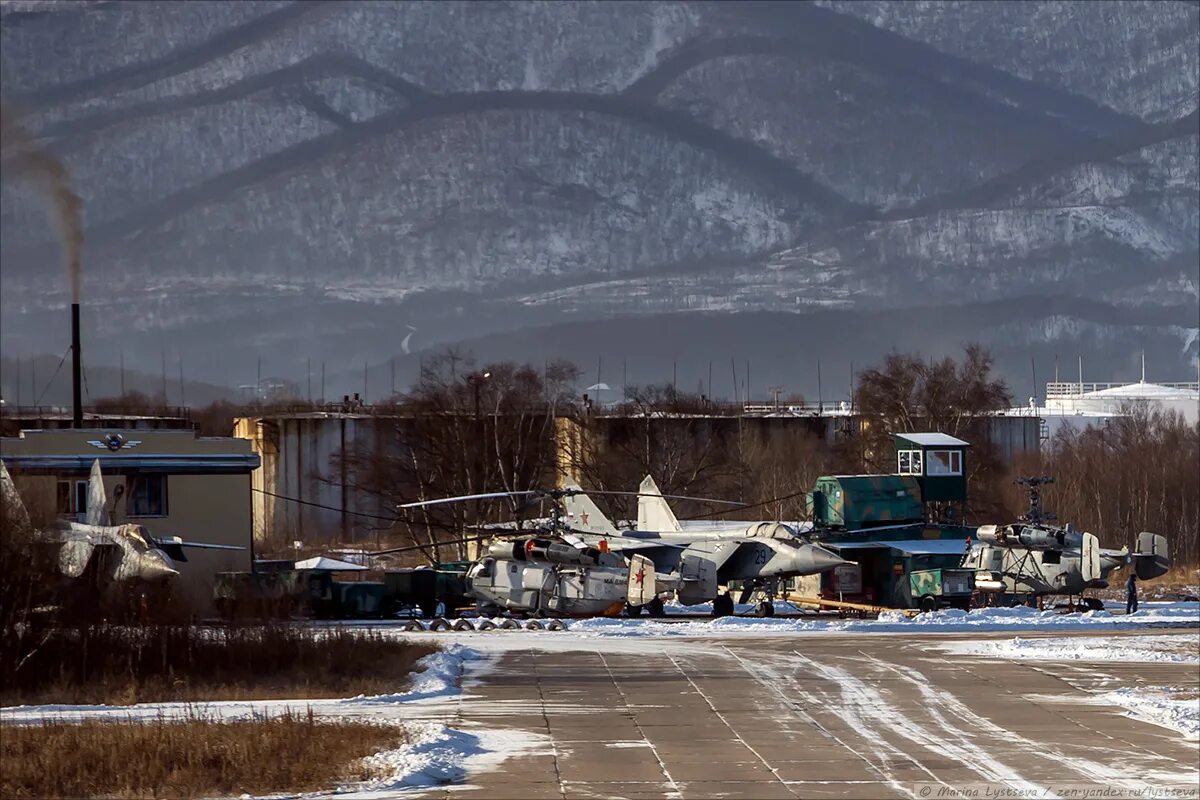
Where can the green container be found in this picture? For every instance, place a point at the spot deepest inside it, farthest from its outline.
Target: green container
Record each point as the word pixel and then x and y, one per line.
pixel 862 501
pixel 359 598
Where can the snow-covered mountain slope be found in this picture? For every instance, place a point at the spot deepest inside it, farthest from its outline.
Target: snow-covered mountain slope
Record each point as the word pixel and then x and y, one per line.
pixel 266 176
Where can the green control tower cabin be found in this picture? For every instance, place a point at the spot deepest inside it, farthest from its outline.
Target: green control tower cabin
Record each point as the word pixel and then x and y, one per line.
pixel 938 462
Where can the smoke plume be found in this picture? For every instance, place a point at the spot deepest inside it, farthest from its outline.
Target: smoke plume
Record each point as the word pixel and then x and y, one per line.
pixel 19 152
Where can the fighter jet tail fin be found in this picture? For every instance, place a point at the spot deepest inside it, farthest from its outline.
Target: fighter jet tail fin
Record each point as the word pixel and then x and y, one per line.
pixel 14 509
pixel 1089 564
pixel 97 500
pixel 653 512
pixel 583 515
pixel 1153 556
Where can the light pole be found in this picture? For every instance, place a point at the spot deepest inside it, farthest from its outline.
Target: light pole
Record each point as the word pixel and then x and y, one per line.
pixel 476 380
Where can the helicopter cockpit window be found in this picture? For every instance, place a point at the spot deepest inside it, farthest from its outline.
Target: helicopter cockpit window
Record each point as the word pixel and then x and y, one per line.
pixel 485 568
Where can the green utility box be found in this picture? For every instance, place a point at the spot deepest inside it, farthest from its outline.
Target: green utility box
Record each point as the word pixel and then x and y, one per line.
pixel 931 589
pixel 852 502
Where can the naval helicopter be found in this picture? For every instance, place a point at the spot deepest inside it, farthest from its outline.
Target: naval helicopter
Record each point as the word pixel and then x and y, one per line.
pixel 1033 559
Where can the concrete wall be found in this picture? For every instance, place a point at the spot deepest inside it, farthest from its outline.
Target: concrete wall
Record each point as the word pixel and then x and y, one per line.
pixel 304 458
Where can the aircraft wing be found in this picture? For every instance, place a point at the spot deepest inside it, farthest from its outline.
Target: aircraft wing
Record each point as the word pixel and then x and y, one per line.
pixel 173 546
pixel 203 545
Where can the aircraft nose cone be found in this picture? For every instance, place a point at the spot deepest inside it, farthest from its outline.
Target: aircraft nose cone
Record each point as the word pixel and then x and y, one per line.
pixel 817 559
pixel 156 566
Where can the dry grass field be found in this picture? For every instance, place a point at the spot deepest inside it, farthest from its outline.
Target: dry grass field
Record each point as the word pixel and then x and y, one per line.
pixel 194 757
pixel 119 665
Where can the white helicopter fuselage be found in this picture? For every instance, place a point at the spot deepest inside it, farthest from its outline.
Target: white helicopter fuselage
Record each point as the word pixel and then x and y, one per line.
pixel 552 589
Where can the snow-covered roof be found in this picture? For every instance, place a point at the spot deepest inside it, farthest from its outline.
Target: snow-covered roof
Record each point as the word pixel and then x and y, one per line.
pixel 910 546
pixel 330 564
pixel 932 439
pixel 1143 390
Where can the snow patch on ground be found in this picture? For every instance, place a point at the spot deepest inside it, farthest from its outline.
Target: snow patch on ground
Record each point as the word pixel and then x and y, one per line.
pixel 1178 649
pixel 437 755
pixel 1162 707
pixel 947 621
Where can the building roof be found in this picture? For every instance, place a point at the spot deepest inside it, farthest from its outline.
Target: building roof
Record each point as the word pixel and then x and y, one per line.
pixel 1147 391
pixel 939 547
pixel 932 439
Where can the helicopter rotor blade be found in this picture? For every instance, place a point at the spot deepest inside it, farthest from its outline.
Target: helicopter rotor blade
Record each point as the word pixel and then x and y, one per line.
pixel 665 496
pixel 464 498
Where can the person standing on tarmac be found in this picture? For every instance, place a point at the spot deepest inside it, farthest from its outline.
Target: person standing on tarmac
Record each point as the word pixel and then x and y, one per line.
pixel 1131 594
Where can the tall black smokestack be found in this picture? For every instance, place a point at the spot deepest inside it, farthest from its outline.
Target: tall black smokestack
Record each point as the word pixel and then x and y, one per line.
pixel 76 387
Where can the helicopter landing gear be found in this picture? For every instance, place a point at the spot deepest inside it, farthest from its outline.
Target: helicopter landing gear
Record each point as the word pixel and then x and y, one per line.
pixel 655 608
pixel 765 608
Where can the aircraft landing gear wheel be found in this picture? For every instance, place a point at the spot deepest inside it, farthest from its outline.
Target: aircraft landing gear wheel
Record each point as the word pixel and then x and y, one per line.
pixel 655 608
pixel 1093 603
pixel 928 603
pixel 765 608
pixel 722 605
pixel 632 610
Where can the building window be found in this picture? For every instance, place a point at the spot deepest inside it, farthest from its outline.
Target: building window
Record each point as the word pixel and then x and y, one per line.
pixel 909 462
pixel 81 498
pixel 945 462
pixel 147 496
pixel 63 498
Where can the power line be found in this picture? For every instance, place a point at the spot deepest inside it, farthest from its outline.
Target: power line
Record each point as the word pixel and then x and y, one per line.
pixel 328 508
pixel 402 519
pixel 744 508
pixel 38 402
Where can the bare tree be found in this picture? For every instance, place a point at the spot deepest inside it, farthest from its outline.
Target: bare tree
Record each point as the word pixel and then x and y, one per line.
pixel 909 394
pixel 1136 472
pixel 464 430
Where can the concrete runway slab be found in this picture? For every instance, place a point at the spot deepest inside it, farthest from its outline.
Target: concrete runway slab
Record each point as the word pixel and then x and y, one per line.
pixel 831 716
